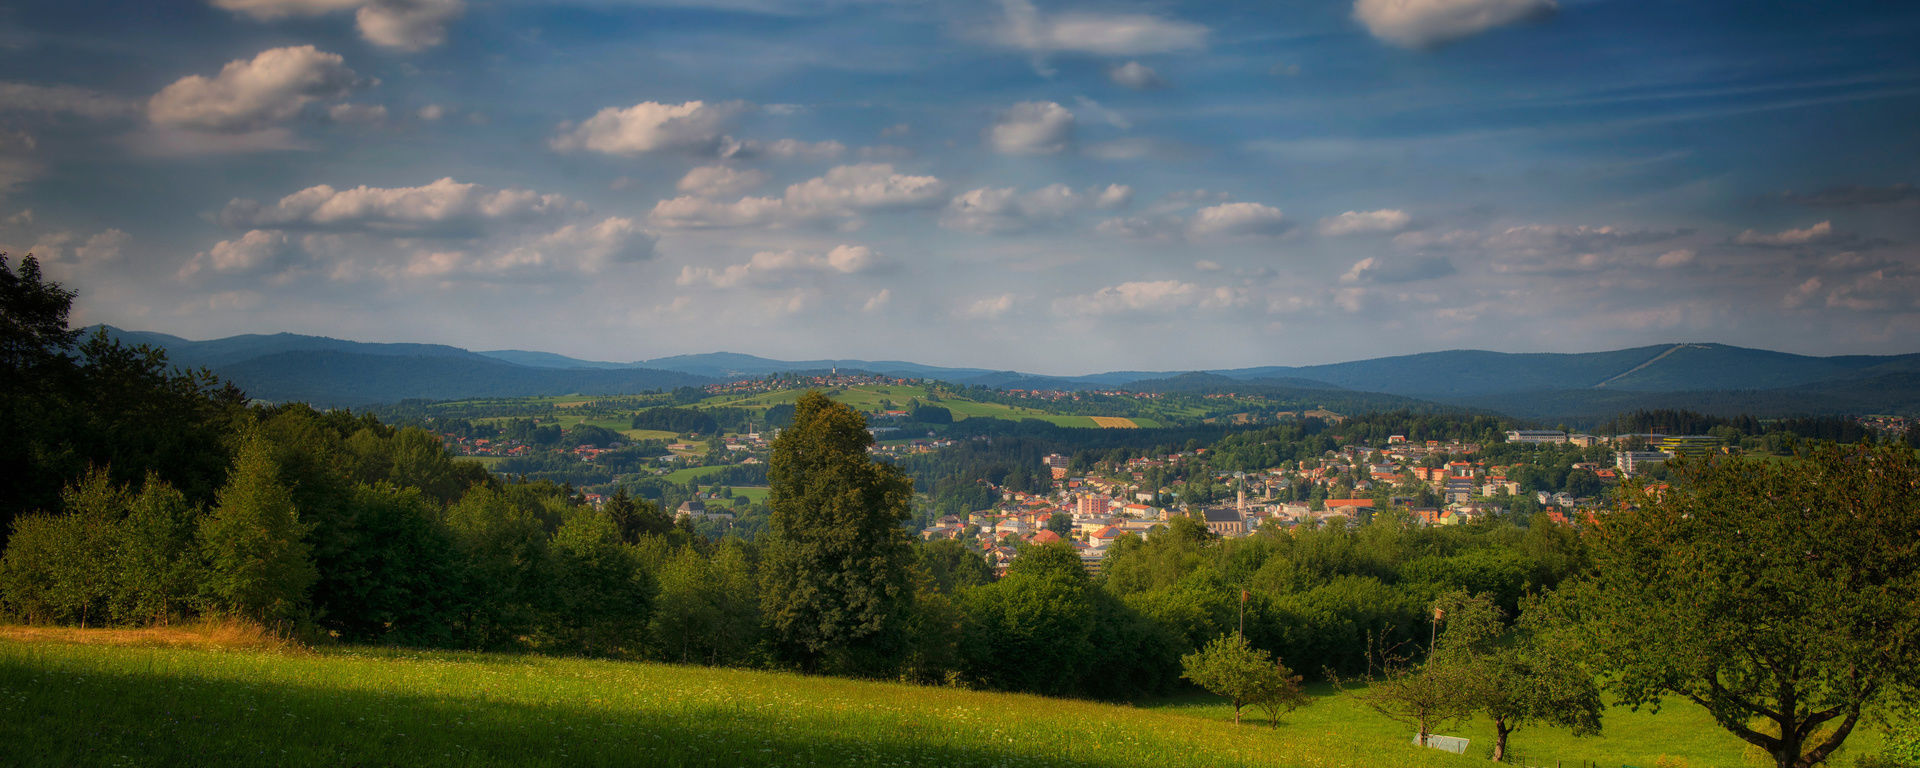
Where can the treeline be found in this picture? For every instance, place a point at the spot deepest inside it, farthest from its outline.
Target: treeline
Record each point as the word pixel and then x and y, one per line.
pixel 1838 429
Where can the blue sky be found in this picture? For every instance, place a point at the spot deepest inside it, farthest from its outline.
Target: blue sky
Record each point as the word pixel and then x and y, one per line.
pixel 1059 187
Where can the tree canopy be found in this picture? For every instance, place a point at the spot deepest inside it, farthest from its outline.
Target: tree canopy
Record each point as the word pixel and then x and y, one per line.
pixel 1783 592
pixel 837 588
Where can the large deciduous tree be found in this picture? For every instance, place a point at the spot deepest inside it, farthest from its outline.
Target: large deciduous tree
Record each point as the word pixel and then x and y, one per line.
pixel 837 589
pixel 1786 593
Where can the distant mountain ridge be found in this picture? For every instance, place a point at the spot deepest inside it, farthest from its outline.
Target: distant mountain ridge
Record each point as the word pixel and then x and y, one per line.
pixel 1544 386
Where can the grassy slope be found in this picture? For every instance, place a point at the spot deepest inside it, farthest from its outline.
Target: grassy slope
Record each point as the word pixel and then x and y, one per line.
pixel 66 704
pixel 70 704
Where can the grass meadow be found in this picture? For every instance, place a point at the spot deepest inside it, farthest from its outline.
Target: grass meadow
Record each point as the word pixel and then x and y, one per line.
pixel 155 697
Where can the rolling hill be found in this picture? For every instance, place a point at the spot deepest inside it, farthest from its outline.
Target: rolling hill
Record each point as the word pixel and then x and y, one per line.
pixel 1571 387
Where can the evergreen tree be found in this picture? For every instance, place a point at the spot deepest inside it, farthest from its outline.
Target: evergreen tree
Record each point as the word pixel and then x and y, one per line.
pixel 257 563
pixel 837 588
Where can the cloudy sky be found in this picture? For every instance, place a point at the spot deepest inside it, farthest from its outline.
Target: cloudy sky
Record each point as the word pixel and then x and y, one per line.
pixel 1053 186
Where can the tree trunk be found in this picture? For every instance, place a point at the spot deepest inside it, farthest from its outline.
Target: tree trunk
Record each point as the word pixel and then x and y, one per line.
pixel 1500 732
pixel 1236 711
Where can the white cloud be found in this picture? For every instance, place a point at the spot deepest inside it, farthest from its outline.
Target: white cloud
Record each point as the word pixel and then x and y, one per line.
pixel 1139 296
pixel 878 301
pixel 1427 23
pixel 775 267
pixel 1113 196
pixel 1135 75
pixel 1820 232
pixel 249 95
pixel 1032 128
pixel 720 181
pixel 843 193
pixel 989 307
pixel 588 248
pixel 1675 258
pixel 431 112
pixel 440 206
pixel 255 251
pixel 63 99
pixel 1377 270
pixel 362 114
pixel 695 126
pixel 1238 220
pixel 989 210
pixel 1359 222
pixel 102 248
pixel 1155 227
pixel 407 25
pixel 866 186
pixel 1105 34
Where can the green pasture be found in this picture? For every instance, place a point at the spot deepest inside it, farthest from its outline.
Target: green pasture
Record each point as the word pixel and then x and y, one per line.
pixel 92 705
pixel 1680 734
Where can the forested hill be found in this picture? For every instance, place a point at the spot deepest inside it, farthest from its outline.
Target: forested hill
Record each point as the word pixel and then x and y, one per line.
pixel 331 372
pixel 1571 387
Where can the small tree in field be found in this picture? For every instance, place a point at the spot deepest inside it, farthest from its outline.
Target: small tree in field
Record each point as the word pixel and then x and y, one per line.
pixel 1230 667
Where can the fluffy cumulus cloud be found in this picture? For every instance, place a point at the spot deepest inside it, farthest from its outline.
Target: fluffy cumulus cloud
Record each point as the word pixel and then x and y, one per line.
pixel 1004 210
pixel 588 246
pixel 1113 196
pixel 778 267
pixel 842 194
pixel 1362 222
pixel 1818 233
pixel 1238 220
pixel 1135 75
pixel 990 307
pixel 720 181
pixel 1107 34
pixel 445 230
pixel 696 126
pixel 441 206
pixel 252 94
pixel 1427 23
pixel 1032 128
pixel 407 25
pixel 255 251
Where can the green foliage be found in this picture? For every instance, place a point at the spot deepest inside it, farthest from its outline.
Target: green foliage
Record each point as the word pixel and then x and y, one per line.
pixel 1033 630
pixel 257 563
pixel 1229 667
pixel 837 590
pixel 1784 592
pixel 708 608
pixel 502 548
pixel 598 598
pixel 157 558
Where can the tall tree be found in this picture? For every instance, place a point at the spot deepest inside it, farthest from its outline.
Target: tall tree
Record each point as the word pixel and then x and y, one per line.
pixel 1783 592
pixel 257 563
pixel 837 588
pixel 35 363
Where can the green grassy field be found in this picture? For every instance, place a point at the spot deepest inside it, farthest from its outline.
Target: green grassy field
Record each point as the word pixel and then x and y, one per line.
pixel 65 705
pixel 82 704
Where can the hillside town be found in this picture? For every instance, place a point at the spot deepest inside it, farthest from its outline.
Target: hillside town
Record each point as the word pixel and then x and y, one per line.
pixel 1094 510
